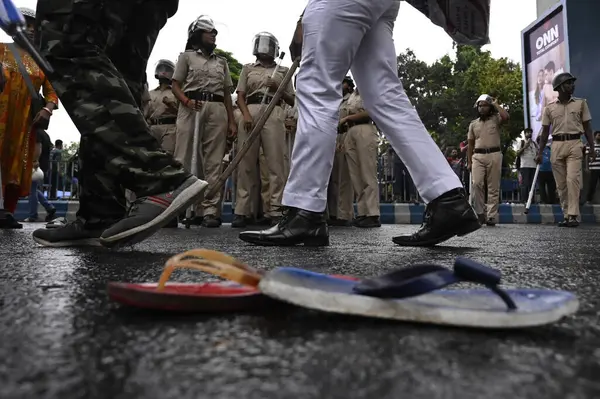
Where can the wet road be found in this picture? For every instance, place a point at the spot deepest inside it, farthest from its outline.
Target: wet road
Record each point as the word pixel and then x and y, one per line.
pixel 62 338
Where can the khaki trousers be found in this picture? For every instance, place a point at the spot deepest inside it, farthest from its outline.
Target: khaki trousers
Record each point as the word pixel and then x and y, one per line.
pixel 272 141
pixel 165 134
pixel 210 151
pixel 265 191
pixel 361 156
pixel 565 157
pixel 340 197
pixel 487 167
pixel 290 136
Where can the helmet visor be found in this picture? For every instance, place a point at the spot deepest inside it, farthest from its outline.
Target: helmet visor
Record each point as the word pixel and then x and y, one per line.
pixel 164 71
pixel 266 45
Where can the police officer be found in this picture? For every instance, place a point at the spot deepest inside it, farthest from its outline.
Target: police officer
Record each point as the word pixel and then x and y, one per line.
pixel 255 78
pixel 202 83
pixel 161 110
pixel 485 156
pixel 340 196
pixel 359 35
pixel 569 117
pixel 361 149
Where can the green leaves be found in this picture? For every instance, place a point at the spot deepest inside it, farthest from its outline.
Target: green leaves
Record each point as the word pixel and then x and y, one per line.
pixel 235 67
pixel 444 92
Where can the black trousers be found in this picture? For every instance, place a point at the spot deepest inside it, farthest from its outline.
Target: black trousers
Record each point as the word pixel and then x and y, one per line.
pixel 547 187
pixel 594 177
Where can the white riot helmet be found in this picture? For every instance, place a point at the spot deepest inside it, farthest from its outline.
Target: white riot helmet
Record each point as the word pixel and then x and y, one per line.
pixel 202 24
pixel 484 97
pixel 164 69
pixel 27 12
pixel 266 44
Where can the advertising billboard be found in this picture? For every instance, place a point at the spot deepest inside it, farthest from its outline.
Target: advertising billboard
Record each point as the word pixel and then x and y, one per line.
pixel 545 54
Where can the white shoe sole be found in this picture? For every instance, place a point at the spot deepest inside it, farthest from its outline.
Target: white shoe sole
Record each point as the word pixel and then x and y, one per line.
pixel 432 308
pixel 140 233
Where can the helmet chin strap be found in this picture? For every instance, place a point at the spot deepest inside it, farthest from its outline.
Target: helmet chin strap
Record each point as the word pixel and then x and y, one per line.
pixel 209 47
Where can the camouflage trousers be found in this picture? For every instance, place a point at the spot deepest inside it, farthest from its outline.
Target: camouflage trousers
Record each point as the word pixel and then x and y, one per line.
pixel 99 50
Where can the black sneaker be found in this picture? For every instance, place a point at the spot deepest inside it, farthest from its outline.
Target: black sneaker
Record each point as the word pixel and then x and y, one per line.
pixel 148 214
pixel 445 217
pixel 72 234
pixel 51 215
pixel 297 226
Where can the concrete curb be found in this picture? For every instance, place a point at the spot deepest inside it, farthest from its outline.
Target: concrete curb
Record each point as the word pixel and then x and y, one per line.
pixel 390 213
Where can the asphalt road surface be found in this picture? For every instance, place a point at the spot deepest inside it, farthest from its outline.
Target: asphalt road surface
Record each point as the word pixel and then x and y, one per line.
pixel 61 337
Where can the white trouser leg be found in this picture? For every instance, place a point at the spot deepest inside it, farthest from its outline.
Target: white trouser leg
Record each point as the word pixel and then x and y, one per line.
pixel 357 33
pixel 333 30
pixel 375 72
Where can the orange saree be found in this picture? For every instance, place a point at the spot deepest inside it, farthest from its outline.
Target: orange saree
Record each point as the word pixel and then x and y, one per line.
pixel 17 141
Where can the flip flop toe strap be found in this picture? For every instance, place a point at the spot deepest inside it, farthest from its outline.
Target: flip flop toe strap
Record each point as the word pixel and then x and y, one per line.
pixel 213 262
pixel 421 279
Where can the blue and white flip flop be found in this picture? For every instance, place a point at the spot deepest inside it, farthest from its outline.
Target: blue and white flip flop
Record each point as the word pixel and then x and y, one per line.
pixel 415 294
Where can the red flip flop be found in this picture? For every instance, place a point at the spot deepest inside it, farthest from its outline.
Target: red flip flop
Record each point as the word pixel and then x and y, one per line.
pixel 239 294
pixel 226 296
pixel 218 297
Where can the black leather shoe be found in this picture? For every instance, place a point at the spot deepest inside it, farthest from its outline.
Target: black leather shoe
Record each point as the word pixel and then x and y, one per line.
pixel 367 222
pixel 8 221
pixel 238 222
pixel 447 216
pixel 333 221
pixel 570 221
pixel 297 226
pixel 211 221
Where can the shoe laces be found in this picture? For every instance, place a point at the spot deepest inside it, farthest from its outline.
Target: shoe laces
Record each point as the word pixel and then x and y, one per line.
pixel 134 206
pixel 286 215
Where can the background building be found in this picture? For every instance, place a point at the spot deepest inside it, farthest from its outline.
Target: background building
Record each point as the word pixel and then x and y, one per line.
pixel 544 5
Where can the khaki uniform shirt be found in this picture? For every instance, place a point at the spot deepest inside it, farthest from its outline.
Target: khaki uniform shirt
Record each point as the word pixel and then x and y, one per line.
pixel 196 71
pixel 344 111
pixel 566 118
pixel 253 79
pixel 486 133
pixel 156 108
pixel 355 104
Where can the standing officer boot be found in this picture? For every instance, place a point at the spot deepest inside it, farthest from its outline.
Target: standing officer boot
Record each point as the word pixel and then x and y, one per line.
pixel 297 226
pixel 447 216
pixel 569 221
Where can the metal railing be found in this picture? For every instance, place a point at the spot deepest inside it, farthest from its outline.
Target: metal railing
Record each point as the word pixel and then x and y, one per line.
pixel 395 184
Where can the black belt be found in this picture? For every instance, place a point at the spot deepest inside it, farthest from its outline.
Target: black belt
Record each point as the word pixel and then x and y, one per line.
pixel 352 124
pixel 566 137
pixel 171 120
pixel 204 96
pixel 257 99
pixel 486 150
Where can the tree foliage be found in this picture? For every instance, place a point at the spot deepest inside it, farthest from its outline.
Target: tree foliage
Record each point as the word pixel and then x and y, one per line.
pixel 69 150
pixel 444 93
pixel 235 67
